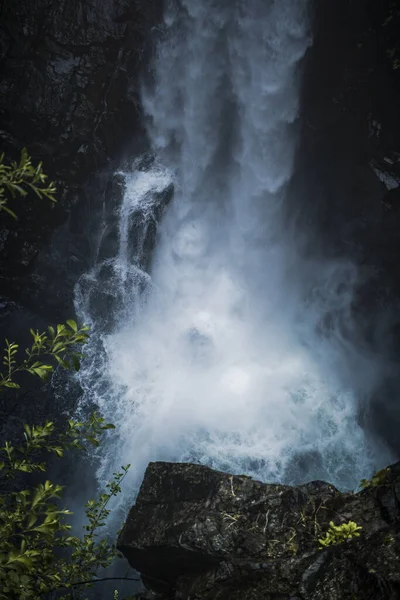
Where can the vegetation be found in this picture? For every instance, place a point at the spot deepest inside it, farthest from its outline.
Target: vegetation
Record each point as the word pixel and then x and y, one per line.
pixel 378 479
pixel 38 554
pixel 17 179
pixel 39 558
pixel 337 534
pixel 58 344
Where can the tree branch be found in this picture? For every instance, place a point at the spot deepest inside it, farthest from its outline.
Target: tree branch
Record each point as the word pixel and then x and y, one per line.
pixel 104 579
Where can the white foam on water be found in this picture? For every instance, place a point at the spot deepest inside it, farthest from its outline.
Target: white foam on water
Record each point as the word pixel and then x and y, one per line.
pixel 221 360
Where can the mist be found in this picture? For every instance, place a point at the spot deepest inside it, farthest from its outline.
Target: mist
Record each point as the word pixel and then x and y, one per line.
pixel 237 348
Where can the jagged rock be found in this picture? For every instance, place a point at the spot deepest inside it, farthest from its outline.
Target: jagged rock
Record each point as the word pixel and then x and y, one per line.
pixel 199 534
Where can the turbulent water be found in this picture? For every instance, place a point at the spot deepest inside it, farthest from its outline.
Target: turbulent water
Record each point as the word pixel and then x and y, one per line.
pixel 219 355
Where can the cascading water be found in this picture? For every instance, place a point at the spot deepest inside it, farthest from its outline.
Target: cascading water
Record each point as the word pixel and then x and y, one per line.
pixel 217 357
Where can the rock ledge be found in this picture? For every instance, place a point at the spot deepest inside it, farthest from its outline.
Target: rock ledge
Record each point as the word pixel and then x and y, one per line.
pixel 199 534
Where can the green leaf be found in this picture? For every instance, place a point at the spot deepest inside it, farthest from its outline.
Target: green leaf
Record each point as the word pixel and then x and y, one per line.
pixel 58 450
pixel 25 561
pixel 9 211
pixel 45 528
pixel 32 518
pixel 10 384
pixel 43 372
pixel 19 189
pixel 62 362
pixel 73 325
pixel 76 362
pixel 25 468
pixel 59 347
pixel 60 328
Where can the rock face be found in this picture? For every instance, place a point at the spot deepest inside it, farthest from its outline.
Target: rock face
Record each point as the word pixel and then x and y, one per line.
pixel 350 144
pixel 69 93
pixel 348 171
pixel 199 534
pixel 346 194
pixel 68 78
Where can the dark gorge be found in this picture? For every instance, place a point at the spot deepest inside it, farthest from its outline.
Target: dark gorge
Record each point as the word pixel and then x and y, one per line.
pixel 227 224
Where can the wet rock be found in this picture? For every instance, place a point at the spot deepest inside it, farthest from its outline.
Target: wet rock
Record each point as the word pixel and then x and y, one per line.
pixel 199 534
pixel 143 226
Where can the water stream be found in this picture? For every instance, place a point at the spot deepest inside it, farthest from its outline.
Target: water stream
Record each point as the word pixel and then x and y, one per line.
pixel 217 355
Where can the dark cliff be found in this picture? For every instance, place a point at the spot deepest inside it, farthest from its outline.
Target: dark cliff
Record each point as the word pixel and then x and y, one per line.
pixel 345 195
pixel 199 534
pixel 69 93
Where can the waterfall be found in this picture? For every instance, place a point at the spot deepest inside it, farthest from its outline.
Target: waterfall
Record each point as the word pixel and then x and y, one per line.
pixel 216 354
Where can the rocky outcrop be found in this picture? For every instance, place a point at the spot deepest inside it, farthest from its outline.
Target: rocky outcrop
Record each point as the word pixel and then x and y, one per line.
pixel 69 93
pixel 199 534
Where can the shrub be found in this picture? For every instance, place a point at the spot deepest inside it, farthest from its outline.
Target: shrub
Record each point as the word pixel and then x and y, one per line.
pixel 38 555
pixel 17 179
pixel 337 534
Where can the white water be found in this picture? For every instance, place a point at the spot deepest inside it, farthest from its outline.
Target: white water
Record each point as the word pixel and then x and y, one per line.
pixel 220 360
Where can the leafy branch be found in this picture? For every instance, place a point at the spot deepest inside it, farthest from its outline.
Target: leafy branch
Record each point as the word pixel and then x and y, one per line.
pixel 18 178
pixel 38 439
pixel 58 344
pixel 91 552
pixel 34 528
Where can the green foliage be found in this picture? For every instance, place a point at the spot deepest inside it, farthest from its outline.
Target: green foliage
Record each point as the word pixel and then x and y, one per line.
pixel 17 179
pixel 39 558
pixel 337 534
pixel 378 479
pixel 38 554
pixel 58 344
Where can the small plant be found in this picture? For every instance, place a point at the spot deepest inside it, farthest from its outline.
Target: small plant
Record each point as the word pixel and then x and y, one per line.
pixel 17 179
pixel 378 479
pixel 39 558
pixel 337 534
pixel 58 344
pixel 38 554
pixel 389 539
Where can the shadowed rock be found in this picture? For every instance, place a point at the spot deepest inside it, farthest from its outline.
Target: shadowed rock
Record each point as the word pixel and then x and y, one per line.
pixel 201 534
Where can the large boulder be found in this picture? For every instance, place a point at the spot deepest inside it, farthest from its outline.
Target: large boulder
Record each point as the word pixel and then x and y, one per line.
pixel 199 534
